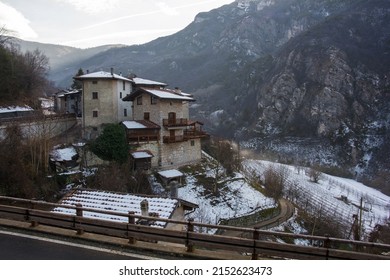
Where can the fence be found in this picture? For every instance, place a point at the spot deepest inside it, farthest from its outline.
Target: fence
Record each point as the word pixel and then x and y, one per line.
pixel 256 243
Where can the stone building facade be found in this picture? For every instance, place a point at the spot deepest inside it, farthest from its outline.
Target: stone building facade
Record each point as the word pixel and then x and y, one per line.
pixel 178 140
pixel 102 101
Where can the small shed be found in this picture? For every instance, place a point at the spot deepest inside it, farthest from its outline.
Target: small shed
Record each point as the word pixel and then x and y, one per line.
pixel 142 160
pixel 64 159
pixel 168 176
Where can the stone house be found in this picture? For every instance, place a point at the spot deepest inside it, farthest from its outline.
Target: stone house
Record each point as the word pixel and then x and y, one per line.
pixel 68 101
pixel 102 101
pixel 156 119
pixel 161 125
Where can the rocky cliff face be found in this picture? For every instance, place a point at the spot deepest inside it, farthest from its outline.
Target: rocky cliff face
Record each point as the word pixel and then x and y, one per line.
pixel 330 82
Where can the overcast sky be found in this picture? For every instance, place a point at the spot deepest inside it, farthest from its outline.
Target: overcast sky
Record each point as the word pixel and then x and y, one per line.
pixel 89 23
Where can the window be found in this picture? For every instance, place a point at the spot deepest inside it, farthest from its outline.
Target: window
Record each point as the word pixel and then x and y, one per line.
pixel 95 114
pixel 125 112
pixel 124 85
pixel 153 100
pixel 120 95
pixel 94 82
pixel 192 143
pixel 146 116
pixel 95 95
pixel 139 100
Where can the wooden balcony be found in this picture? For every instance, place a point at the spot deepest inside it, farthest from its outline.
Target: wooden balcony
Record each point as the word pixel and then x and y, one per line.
pixel 193 134
pixel 175 122
pixel 173 139
pixel 137 138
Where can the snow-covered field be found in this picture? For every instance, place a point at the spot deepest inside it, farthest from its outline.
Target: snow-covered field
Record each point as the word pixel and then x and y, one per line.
pixel 234 199
pixel 238 199
pixel 337 197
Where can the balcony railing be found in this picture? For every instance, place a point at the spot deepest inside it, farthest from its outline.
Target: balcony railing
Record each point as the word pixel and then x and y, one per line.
pixel 141 138
pixel 175 122
pixel 175 139
pixel 192 134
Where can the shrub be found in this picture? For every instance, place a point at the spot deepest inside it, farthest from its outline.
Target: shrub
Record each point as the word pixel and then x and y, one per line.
pixel 111 145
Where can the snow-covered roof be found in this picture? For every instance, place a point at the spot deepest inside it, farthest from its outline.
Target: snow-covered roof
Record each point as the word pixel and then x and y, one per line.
pixel 141 154
pixel 133 125
pixel 64 154
pixel 140 81
pixel 173 173
pixel 68 92
pixel 140 124
pixel 11 109
pixel 168 94
pixel 117 202
pixel 102 75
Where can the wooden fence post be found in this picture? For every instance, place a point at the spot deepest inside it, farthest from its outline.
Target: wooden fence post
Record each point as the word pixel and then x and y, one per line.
pixel 79 213
pixel 32 222
pixel 256 236
pixel 327 245
pixel 190 228
pixel 132 222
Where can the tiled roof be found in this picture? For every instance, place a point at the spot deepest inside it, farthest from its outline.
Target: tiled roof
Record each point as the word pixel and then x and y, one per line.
pixel 117 202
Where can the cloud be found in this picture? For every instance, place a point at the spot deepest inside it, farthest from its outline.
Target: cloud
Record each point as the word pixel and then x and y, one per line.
pixel 15 21
pixel 166 9
pixel 92 6
pixel 128 37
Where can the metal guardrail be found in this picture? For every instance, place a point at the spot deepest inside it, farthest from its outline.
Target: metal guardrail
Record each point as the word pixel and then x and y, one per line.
pixel 258 243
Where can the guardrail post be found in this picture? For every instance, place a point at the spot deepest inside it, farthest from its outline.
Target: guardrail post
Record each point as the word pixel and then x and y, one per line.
pixel 32 222
pixel 190 228
pixel 132 240
pixel 256 236
pixel 79 213
pixel 327 245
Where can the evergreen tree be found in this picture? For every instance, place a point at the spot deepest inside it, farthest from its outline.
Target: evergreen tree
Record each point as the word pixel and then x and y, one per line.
pixel 111 144
pixel 77 84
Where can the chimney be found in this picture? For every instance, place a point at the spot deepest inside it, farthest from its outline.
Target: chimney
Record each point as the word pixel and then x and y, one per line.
pixel 87 71
pixel 177 90
pixel 144 208
pixel 173 188
pixel 112 71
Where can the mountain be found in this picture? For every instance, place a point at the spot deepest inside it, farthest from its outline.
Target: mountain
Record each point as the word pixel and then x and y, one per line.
pixel 61 57
pixel 305 79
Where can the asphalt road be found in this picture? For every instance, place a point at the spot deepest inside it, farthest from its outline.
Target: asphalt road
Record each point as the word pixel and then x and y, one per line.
pixel 15 246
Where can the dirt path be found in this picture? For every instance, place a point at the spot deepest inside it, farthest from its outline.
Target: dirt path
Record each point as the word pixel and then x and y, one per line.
pixel 286 212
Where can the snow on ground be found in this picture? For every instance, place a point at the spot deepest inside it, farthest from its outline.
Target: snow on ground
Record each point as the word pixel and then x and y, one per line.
pixel 11 109
pixel 63 154
pixel 235 198
pixel 335 196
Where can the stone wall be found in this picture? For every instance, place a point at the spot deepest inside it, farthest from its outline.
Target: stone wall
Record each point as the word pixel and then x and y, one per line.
pixel 45 127
pixel 177 154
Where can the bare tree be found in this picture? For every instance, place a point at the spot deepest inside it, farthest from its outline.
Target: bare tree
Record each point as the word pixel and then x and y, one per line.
pixel 315 175
pixel 274 181
pixel 5 35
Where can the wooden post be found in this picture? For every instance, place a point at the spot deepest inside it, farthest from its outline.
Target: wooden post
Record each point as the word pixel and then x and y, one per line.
pixel 32 223
pixel 327 245
pixel 190 228
pixel 132 240
pixel 79 213
pixel 256 236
